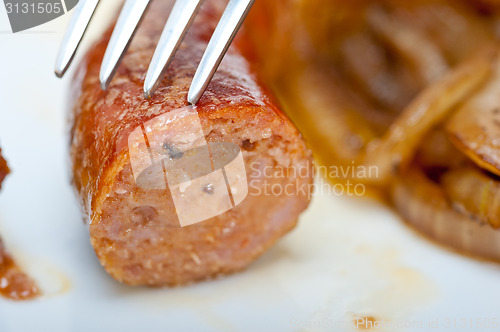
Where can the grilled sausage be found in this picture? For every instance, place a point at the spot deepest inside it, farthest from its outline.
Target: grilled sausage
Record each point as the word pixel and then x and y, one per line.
pixel 135 161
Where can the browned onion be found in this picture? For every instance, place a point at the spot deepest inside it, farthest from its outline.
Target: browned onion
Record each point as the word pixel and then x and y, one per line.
pixel 437 152
pixel 422 204
pixel 413 46
pixel 346 72
pixel 475 127
pixel 472 192
pixel 427 110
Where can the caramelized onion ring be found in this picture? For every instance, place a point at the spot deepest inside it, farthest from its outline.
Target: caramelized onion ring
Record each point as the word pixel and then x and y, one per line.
pixel 437 152
pixel 475 127
pixel 426 111
pixel 413 46
pixel 423 205
pixel 474 193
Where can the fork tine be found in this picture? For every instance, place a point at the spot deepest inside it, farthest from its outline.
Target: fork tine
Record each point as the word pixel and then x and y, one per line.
pixel 226 30
pixel 76 29
pixel 180 19
pixel 128 21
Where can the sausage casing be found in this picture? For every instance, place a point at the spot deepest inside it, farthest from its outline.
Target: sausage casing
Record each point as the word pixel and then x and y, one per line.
pixel 135 230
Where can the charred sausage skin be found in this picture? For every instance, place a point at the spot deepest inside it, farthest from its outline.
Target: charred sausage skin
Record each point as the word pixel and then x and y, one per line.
pixel 135 232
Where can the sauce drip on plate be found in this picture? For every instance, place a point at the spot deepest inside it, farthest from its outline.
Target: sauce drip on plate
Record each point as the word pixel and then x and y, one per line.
pixel 14 283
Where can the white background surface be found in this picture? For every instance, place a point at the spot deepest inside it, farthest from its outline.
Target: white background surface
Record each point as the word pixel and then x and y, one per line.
pixel 348 257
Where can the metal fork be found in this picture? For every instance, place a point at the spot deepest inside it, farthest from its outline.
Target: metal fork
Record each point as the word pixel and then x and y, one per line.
pixel 180 19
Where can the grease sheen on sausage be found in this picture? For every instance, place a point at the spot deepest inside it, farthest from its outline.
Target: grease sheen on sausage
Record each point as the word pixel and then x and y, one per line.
pixel 135 231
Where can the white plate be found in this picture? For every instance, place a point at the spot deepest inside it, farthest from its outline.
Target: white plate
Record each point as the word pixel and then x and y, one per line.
pixel 347 258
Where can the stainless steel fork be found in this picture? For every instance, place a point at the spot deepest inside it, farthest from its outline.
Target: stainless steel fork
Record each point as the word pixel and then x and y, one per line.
pixel 180 19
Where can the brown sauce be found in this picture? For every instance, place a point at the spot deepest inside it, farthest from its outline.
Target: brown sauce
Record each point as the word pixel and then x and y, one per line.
pixel 14 283
pixel 4 169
